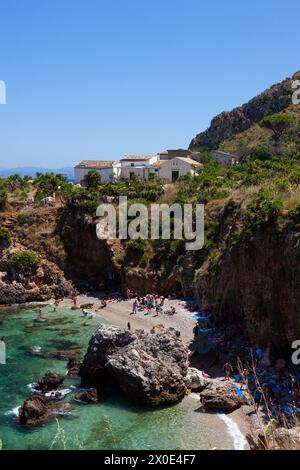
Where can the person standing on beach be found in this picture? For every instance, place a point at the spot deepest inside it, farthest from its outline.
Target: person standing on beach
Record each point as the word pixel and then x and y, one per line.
pixel 129 326
pixel 134 307
pixel 228 369
pixel 74 298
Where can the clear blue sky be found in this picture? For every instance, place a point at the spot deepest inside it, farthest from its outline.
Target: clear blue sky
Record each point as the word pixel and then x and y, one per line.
pixel 102 78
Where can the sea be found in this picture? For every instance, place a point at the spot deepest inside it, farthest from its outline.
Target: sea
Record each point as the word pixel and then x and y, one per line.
pixel 111 424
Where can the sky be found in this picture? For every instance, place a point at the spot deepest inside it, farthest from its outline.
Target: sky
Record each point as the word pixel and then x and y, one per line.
pixel 99 79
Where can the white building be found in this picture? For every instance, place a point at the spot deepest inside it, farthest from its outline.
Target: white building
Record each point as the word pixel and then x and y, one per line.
pixel 141 166
pixel 170 154
pixel 171 170
pixel 168 165
pixel 104 168
pixel 226 159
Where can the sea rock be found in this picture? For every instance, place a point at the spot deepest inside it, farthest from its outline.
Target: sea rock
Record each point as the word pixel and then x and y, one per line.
pixel 74 366
pixel 195 380
pixel 221 396
pixel 37 410
pixel 63 355
pixel 88 396
pixel 50 381
pixel 150 368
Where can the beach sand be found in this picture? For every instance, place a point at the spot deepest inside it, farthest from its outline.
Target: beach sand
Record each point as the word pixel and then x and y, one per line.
pixel 119 314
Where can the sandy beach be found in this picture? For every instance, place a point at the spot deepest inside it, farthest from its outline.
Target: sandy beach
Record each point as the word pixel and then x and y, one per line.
pixel 119 314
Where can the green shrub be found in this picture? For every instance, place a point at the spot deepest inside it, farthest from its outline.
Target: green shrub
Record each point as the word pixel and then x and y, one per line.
pixel 3 199
pixel 261 152
pixel 22 219
pixel 4 236
pixel 295 176
pixel 177 246
pixel 136 246
pixel 25 260
pixel 261 211
pixel 295 215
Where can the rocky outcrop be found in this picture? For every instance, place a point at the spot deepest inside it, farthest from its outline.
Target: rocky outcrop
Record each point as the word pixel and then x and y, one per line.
pixel 88 396
pixel 50 381
pixel 228 124
pixel 257 281
pixel 221 396
pixel 46 283
pixel 37 410
pixel 149 368
pixel 89 261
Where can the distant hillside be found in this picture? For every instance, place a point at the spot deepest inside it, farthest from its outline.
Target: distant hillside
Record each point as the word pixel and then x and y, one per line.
pixel 230 123
pixel 32 170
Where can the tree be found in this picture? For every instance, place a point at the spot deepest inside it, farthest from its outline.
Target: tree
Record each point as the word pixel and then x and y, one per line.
pixel 278 124
pixel 25 260
pixel 92 180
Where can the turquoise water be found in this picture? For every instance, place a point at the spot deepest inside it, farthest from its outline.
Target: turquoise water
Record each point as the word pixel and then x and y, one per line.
pixel 112 424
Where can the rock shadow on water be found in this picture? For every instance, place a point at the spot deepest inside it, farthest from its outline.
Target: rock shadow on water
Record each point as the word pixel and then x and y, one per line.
pixel 68 332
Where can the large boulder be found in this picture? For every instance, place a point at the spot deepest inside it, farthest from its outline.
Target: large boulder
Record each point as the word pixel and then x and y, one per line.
pixel 196 380
pixel 50 381
pixel 150 368
pixel 37 410
pixel 222 396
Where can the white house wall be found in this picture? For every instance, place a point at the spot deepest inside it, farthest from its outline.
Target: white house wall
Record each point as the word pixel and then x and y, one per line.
pixel 168 166
pixel 104 172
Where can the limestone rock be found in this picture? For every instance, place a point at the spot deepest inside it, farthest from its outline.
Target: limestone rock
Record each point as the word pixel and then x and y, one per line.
pixel 37 410
pixel 221 396
pixel 50 381
pixel 150 368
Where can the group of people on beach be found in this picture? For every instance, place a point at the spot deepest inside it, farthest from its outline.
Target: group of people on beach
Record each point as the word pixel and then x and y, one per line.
pixel 149 302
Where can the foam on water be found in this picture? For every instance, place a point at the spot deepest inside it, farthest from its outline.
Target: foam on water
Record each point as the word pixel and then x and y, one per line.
pixel 13 412
pixel 62 392
pixel 239 440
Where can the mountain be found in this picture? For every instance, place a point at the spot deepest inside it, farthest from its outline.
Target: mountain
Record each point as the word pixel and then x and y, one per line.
pixel 32 170
pixel 230 123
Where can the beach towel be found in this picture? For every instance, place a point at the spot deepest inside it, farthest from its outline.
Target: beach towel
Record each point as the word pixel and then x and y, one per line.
pixel 239 392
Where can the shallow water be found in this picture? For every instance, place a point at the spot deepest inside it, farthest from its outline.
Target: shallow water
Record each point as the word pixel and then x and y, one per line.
pixel 112 424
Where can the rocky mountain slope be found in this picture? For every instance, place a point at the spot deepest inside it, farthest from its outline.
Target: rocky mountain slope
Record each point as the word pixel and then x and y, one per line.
pixel 230 123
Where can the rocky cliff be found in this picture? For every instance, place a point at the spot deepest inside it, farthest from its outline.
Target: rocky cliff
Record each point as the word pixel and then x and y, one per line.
pixel 257 282
pixel 230 123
